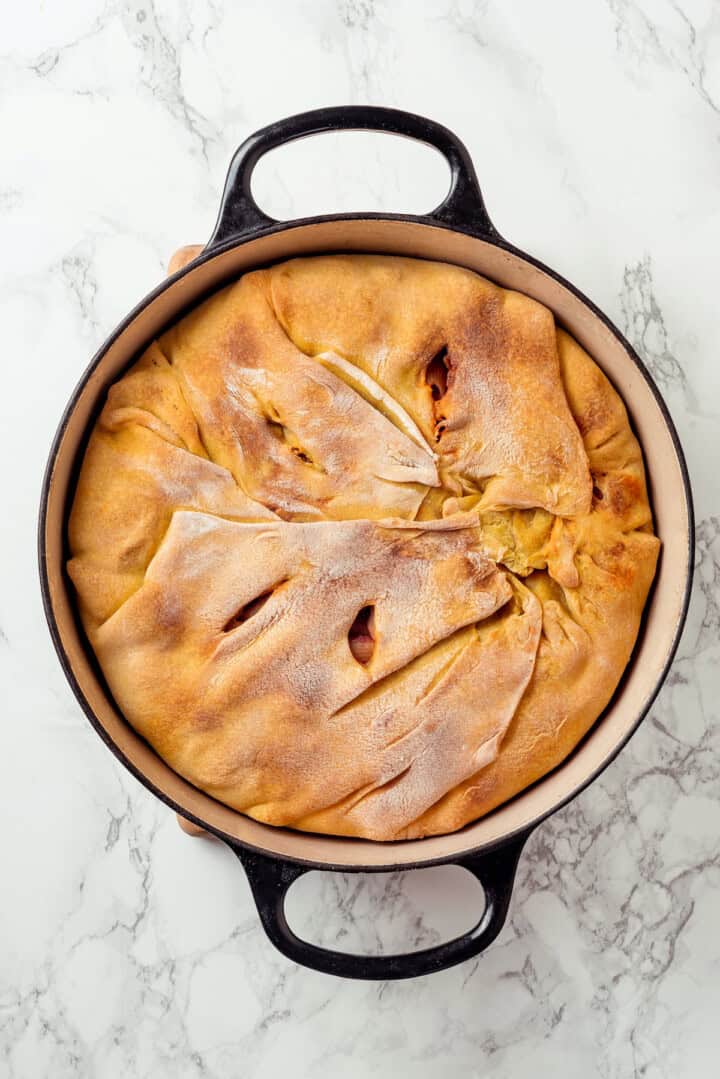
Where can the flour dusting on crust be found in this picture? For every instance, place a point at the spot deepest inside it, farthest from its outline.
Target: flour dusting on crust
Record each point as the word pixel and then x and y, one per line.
pixel 362 545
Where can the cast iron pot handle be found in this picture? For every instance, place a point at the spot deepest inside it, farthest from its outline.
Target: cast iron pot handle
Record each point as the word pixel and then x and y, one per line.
pixel 270 879
pixel 463 208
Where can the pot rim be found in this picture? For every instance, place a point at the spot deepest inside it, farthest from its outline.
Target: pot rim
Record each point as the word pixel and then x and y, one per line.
pixel 212 252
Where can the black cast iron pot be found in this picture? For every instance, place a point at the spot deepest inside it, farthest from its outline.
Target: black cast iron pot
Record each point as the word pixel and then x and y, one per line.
pixel 458 231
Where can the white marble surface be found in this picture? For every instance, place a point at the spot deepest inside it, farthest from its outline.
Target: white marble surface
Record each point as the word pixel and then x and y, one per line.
pixel 127 949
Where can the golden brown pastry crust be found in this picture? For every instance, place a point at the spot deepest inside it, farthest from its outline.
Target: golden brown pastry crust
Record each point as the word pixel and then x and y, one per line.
pixel 368 441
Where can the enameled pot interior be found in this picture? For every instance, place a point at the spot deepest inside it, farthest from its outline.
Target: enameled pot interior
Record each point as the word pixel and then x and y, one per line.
pixel 672 519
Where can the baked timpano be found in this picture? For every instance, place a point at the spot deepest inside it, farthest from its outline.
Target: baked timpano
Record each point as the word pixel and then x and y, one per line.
pixel 362 545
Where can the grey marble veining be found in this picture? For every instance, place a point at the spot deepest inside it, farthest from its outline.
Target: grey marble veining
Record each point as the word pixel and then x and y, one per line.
pixel 129 949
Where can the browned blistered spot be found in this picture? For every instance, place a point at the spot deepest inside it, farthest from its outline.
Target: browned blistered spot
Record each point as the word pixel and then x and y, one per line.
pixel 482 322
pixel 170 616
pixel 243 345
pixel 555 459
pixel 614 560
pixel 594 416
pixel 623 493
pixel 206 721
pixel 624 576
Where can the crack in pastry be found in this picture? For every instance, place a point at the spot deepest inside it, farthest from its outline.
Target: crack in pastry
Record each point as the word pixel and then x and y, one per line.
pixel 239 367
pixel 361 635
pixel 362 545
pixel 437 379
pixel 460 718
pixel 504 421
